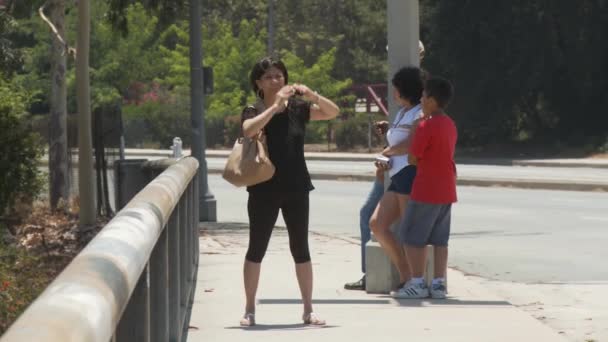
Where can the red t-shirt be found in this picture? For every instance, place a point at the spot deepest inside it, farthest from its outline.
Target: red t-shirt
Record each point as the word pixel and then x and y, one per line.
pixel 433 145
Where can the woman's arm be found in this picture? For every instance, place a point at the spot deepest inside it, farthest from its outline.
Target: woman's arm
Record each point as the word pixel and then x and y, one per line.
pixel 322 108
pixel 252 126
pixel 404 146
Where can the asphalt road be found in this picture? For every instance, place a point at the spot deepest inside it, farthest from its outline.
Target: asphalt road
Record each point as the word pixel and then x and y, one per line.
pixel 498 233
pixel 534 236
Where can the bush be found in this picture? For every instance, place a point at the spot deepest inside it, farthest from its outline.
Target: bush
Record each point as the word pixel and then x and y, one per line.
pixel 353 132
pixel 20 150
pixel 232 129
pixel 316 132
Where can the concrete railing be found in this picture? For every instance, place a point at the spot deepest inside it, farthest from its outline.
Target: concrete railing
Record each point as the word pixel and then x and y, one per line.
pixel 135 280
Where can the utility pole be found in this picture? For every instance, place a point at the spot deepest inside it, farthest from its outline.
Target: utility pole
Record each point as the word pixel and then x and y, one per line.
pixel 206 201
pixel 270 27
pixel 403 31
pixel 403 37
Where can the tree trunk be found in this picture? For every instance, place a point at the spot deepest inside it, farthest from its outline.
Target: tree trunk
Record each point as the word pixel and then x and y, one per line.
pixel 59 185
pixel 86 185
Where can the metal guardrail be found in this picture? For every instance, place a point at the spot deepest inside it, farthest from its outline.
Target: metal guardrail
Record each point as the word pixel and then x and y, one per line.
pixel 135 280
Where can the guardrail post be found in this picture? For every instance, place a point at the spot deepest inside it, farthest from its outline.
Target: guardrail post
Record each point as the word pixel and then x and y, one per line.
pixel 196 221
pixel 159 288
pixel 174 277
pixel 134 324
pixel 183 258
pixel 130 179
pixel 189 259
pixel 191 239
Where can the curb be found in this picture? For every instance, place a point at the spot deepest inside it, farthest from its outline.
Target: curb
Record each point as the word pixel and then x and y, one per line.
pixel 507 183
pixel 517 184
pixel 536 185
pixel 538 163
pixel 504 183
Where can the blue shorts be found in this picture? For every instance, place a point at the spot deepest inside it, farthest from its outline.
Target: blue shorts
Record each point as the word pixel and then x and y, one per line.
pixel 402 181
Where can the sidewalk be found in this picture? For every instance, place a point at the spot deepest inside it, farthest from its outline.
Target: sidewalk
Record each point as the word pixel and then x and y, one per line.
pixel 471 313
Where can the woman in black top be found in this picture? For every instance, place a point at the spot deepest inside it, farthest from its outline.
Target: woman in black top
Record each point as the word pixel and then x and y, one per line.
pixel 283 117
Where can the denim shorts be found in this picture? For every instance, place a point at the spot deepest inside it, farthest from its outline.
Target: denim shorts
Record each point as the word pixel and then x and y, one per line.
pixel 402 181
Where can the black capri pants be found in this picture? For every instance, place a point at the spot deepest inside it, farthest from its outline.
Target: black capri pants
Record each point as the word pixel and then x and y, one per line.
pixel 263 209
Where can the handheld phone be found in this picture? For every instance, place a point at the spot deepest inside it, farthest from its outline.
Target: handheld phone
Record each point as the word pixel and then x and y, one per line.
pixel 383 160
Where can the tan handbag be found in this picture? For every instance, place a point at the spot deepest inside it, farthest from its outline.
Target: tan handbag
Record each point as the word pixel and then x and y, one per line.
pixel 248 163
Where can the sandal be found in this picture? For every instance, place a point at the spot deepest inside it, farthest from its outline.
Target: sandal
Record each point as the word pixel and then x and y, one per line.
pixel 248 320
pixel 313 319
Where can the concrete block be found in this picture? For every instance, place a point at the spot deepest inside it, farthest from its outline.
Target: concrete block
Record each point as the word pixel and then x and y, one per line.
pixel 381 275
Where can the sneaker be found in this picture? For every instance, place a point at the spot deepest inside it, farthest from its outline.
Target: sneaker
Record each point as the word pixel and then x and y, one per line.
pixel 357 285
pixel 400 285
pixel 438 290
pixel 411 291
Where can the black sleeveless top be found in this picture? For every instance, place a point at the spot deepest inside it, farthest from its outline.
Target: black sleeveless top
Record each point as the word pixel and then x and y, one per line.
pixel 285 134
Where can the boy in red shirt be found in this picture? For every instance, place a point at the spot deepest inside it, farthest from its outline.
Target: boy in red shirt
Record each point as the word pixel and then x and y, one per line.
pixel 427 218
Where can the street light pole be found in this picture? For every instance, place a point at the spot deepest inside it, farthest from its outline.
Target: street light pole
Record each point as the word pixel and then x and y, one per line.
pixel 206 203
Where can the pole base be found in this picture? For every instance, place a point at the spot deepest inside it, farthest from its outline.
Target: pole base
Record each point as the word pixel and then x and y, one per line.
pixel 207 211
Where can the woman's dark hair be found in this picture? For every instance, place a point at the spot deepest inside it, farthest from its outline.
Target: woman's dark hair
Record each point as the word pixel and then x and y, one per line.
pixel 409 81
pixel 440 89
pixel 260 69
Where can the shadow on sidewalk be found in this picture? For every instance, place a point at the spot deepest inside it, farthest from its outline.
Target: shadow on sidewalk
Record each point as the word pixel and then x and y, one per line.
pixel 266 327
pixel 450 302
pixel 220 227
pixel 427 302
pixel 325 301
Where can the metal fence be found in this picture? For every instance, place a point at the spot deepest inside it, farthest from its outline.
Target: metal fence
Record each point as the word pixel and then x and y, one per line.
pixel 135 280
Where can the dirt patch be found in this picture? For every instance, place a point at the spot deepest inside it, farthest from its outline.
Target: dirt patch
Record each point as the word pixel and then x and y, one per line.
pixel 34 251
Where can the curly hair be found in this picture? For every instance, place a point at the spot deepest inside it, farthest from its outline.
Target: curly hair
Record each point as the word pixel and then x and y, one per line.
pixel 409 81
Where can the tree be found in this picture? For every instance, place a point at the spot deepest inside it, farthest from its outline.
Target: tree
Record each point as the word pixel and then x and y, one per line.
pixel 10 58
pixel 522 68
pixel 86 186
pixel 357 28
pixel 19 148
pixel 318 77
pixel 59 187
